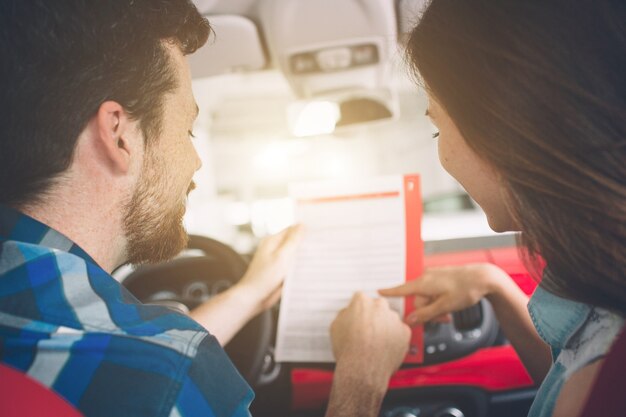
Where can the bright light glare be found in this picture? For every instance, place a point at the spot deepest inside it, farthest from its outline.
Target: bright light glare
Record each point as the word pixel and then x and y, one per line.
pixel 273 160
pixel 272 215
pixel 238 213
pixel 314 118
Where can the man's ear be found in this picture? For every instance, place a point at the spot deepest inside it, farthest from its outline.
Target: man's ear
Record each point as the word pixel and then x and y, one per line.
pixel 116 138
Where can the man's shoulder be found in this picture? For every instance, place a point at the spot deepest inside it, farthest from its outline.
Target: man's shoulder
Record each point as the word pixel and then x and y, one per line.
pixel 35 263
pixel 122 374
pixel 64 289
pixel 15 254
pixel 70 325
pixel 163 345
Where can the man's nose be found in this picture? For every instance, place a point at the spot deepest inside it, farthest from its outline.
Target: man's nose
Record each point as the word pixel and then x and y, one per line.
pixel 198 161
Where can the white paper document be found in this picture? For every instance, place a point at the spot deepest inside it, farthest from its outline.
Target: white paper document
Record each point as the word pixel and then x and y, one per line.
pixel 355 240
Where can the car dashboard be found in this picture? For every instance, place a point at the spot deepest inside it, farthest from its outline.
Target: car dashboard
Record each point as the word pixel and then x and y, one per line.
pixel 469 367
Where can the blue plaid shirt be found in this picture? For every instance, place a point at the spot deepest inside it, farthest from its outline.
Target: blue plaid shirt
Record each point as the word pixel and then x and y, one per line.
pixel 67 323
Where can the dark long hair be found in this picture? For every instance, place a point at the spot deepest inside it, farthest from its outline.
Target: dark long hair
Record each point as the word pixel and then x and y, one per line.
pixel 537 88
pixel 60 60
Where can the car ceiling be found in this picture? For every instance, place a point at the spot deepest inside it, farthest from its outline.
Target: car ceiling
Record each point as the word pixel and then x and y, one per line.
pixel 267 15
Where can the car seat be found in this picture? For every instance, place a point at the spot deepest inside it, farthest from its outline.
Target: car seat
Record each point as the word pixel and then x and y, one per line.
pixel 22 396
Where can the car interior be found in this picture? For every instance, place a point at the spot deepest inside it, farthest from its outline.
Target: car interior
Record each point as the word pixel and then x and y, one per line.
pixel 297 90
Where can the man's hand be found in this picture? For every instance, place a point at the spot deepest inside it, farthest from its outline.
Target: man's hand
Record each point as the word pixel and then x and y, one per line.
pixel 369 343
pixel 367 331
pixel 260 288
pixel 274 257
pixel 444 290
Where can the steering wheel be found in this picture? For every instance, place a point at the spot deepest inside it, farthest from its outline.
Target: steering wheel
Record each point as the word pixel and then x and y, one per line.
pixel 191 280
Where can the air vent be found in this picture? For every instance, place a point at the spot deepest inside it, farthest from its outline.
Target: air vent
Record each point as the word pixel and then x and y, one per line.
pixel 468 319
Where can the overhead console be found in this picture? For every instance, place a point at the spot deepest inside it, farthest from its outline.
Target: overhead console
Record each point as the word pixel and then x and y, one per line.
pixel 326 46
pixel 337 53
pixel 336 56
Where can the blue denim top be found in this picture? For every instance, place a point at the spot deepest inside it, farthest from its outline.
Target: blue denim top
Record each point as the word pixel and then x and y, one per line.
pixel 577 333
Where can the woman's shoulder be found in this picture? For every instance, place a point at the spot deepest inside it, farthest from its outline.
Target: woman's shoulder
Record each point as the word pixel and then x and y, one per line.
pixel 579 336
pixel 577 333
pixel 576 389
pixel 592 341
pixel 607 394
pixel 597 388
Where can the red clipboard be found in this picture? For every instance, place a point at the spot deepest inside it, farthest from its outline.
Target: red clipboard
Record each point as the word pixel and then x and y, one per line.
pixel 410 191
pixel 414 258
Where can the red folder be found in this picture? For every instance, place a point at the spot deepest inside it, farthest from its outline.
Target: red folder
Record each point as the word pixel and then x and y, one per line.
pixel 414 262
pixel 414 258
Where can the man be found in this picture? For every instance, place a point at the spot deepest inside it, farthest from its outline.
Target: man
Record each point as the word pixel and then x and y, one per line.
pixel 95 166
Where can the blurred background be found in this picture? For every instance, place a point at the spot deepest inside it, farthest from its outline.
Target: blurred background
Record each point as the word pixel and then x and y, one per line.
pixel 301 90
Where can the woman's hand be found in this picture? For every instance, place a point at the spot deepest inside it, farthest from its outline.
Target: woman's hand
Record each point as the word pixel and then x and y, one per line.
pixel 441 291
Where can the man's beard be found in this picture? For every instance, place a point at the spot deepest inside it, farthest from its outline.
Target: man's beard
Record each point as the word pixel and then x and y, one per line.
pixel 153 225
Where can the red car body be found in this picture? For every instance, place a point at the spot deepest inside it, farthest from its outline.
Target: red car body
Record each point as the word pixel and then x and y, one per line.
pixel 492 369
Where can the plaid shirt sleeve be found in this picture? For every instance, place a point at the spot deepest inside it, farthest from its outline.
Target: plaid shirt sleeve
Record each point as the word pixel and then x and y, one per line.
pixel 200 388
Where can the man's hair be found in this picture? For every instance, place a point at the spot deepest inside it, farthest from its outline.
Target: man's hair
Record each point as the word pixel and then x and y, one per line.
pixel 60 60
pixel 538 89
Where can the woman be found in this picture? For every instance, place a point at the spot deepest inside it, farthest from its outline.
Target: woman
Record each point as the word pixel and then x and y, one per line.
pixel 530 101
